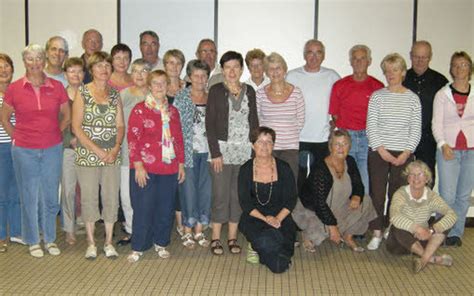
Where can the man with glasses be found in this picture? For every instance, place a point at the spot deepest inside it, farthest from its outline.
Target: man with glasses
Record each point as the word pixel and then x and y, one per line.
pixel 206 52
pixel 425 82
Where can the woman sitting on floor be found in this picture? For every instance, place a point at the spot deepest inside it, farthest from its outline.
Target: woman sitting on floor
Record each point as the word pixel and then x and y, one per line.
pixel 267 195
pixel 332 197
pixel 411 208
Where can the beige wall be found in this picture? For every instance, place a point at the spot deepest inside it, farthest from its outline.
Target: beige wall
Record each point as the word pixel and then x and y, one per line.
pixel 12 32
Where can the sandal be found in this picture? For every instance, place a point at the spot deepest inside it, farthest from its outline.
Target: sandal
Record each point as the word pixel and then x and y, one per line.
pixel 134 256
pixel 36 251
pixel 445 260
pixel 53 249
pixel 309 246
pixel 188 241
pixel 3 246
pixel 201 239
pixel 162 252
pixel 216 247
pixel 234 248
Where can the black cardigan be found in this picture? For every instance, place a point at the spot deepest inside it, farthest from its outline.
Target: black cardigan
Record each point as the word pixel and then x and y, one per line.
pixel 316 188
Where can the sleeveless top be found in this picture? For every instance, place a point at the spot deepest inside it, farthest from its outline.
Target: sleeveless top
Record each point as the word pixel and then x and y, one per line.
pixel 99 124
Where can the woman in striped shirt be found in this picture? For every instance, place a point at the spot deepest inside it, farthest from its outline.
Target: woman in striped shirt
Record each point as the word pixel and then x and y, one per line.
pixel 280 106
pixel 393 131
pixel 10 213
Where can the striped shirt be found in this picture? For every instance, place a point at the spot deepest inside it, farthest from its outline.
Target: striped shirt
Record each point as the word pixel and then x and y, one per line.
pixel 286 118
pixel 4 137
pixel 394 120
pixel 406 213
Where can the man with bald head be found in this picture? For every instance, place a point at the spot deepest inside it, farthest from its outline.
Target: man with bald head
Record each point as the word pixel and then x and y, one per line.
pixel 91 42
pixel 207 52
pixel 57 51
pixel 425 82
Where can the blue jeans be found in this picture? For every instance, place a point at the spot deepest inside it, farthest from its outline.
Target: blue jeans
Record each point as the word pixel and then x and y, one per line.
pixel 360 150
pixel 10 212
pixel 195 192
pixel 153 210
pixel 38 173
pixel 456 182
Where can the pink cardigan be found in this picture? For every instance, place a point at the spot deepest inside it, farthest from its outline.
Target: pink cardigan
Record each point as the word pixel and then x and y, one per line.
pixel 447 124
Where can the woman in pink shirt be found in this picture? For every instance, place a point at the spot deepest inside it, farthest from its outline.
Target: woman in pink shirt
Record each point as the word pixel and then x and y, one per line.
pixel 453 130
pixel 38 103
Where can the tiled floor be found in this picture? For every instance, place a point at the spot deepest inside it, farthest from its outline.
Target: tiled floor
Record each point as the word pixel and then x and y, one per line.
pixel 331 270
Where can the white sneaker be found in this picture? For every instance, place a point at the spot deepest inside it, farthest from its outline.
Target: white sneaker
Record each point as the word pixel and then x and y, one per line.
pixel 374 243
pixel 18 240
pixel 162 252
pixel 53 249
pixel 110 252
pixel 91 252
pixel 36 251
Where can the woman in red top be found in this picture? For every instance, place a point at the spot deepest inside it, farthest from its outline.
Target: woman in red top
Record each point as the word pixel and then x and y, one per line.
pixel 155 143
pixel 38 103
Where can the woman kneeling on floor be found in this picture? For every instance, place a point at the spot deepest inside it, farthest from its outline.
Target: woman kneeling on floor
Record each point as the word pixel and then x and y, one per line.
pixel 411 208
pixel 267 195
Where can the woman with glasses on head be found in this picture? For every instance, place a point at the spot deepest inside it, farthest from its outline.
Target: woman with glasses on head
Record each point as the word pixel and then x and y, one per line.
pixel 453 130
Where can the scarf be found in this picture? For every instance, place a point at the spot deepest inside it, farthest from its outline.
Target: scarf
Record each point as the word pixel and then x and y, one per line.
pixel 167 148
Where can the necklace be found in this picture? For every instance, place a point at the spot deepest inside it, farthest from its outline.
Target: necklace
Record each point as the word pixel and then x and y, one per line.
pixel 256 184
pixel 234 90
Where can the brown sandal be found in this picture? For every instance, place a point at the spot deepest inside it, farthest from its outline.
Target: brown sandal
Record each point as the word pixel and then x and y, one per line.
pixel 216 247
pixel 234 248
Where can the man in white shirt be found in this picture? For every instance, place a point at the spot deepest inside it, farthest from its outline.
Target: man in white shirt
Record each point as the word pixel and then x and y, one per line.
pixel 316 83
pixel 57 51
pixel 149 47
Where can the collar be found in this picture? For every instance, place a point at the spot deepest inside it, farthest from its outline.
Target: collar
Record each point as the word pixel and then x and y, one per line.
pixel 419 200
pixel 47 82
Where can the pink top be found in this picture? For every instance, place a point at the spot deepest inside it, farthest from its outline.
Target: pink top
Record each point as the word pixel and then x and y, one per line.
pixel 37 112
pixel 447 124
pixel 117 87
pixel 286 118
pixel 350 101
pixel 144 139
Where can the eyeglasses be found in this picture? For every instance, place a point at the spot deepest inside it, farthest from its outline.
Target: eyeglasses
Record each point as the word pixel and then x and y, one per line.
pixel 264 142
pixel 418 175
pixel 142 71
pixel 460 66
pixel 341 144
pixel 420 58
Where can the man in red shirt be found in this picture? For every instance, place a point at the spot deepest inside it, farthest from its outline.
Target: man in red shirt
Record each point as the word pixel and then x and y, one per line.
pixel 349 102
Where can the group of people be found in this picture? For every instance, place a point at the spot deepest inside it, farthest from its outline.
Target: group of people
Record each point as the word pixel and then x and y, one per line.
pixel 285 151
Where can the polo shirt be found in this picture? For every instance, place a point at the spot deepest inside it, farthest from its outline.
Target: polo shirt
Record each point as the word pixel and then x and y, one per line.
pixel 37 112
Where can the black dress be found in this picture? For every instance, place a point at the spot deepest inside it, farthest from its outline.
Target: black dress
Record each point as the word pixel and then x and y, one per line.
pixel 274 246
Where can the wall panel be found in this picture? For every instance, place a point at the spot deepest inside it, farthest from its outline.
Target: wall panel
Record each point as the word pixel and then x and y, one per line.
pixel 282 26
pixel 383 25
pixel 179 23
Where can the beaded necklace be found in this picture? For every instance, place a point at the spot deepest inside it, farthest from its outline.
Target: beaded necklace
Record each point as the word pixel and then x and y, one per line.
pixel 256 184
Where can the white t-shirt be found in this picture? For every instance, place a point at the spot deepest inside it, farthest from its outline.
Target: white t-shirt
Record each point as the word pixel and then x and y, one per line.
pixel 316 88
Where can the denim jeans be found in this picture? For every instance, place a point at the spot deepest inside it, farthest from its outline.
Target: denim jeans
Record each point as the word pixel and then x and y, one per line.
pixel 195 192
pixel 360 150
pixel 456 182
pixel 10 212
pixel 38 173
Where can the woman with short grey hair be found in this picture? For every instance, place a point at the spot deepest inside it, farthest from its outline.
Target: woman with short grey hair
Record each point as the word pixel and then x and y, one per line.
pixel 42 112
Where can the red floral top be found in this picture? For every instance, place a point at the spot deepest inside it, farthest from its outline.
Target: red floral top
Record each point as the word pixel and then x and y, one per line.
pixel 144 139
